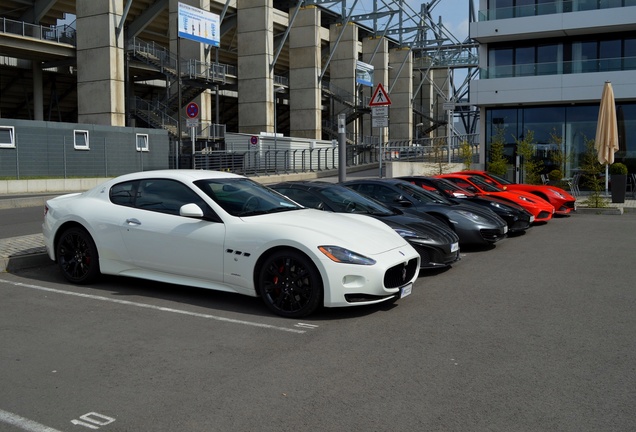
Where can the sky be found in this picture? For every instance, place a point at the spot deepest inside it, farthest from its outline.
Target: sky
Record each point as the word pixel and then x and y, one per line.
pixel 454 15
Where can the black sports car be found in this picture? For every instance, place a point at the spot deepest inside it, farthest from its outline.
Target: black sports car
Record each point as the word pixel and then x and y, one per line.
pixel 437 245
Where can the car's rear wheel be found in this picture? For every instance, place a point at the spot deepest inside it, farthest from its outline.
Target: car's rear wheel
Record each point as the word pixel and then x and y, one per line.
pixel 77 256
pixel 290 284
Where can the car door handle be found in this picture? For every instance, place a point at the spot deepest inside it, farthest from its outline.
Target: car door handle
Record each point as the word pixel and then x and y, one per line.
pixel 133 221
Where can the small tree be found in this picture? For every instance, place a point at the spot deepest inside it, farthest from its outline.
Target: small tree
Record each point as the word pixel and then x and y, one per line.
pixel 498 163
pixel 466 154
pixel 531 166
pixel 557 156
pixel 440 154
pixel 591 176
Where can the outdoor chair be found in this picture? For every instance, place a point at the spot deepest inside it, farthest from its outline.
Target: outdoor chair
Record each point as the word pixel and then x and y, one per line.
pixel 573 183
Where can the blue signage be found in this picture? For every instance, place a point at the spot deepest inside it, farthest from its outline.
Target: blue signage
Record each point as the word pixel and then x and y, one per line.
pixel 199 25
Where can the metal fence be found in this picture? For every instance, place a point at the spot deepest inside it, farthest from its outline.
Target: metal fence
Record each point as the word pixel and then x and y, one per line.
pixel 291 161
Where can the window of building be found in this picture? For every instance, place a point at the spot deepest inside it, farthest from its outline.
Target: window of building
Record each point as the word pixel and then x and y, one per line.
pixel 549 59
pixel 80 140
pixel 142 142
pixel 7 137
pixel 568 127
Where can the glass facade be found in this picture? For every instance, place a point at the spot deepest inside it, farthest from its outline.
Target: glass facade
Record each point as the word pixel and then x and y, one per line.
pixel 565 56
pixel 571 125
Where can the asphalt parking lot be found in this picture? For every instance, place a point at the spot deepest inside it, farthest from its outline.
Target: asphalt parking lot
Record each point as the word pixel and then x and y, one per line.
pixel 536 334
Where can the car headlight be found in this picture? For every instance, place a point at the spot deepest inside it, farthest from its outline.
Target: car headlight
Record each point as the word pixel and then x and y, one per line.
pixel 557 193
pixel 342 255
pixel 523 198
pixel 405 233
pixel 472 216
pixel 497 205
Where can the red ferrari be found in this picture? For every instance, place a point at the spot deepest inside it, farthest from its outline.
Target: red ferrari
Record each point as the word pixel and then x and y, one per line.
pixel 562 201
pixel 539 208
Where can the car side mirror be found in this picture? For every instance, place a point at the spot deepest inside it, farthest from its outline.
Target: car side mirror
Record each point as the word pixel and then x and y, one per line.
pixel 403 201
pixel 191 210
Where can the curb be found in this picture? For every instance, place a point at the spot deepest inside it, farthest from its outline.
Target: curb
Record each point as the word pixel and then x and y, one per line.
pixel 21 262
pixel 600 210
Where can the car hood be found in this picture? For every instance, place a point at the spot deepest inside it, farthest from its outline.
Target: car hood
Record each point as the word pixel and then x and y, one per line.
pixel 315 227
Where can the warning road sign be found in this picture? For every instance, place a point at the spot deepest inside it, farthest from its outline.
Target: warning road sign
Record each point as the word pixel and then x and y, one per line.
pixel 380 97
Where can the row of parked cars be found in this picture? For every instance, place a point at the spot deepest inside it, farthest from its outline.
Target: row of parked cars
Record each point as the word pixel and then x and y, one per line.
pixel 439 214
pixel 296 245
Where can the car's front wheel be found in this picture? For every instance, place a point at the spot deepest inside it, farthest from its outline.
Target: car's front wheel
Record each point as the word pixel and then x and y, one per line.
pixel 290 284
pixel 77 256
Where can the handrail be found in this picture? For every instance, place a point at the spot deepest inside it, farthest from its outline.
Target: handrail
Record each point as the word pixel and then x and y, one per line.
pixel 60 34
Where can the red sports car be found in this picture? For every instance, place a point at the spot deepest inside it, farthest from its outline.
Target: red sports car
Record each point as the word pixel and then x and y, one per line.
pixel 539 208
pixel 563 202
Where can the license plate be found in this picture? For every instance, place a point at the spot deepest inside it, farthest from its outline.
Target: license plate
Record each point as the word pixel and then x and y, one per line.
pixel 406 290
pixel 531 218
pixel 506 229
pixel 454 247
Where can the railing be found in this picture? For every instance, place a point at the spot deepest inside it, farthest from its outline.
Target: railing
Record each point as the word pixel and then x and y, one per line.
pixel 291 161
pixel 549 8
pixel 432 150
pixel 560 68
pixel 61 34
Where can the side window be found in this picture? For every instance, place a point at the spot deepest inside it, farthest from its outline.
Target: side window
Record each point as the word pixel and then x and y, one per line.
pixel 166 196
pixel 7 136
pixel 80 140
pixel 123 194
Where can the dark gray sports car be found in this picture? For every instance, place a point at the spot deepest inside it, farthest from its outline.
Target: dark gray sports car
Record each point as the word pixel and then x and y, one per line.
pixel 474 226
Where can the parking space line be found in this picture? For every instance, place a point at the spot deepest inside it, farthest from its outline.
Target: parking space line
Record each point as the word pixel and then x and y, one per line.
pixel 23 423
pixel 159 308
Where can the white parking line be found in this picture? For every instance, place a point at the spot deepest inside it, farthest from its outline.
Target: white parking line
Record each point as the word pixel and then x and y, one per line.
pixel 23 423
pixel 159 308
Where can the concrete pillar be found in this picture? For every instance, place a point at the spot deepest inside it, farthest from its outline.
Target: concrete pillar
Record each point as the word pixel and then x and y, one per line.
pixel 375 51
pixel 401 93
pixel 304 69
pixel 38 93
pixel 255 55
pixel 342 68
pixel 100 63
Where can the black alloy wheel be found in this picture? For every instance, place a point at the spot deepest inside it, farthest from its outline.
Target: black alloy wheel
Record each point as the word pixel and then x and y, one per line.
pixel 290 284
pixel 76 255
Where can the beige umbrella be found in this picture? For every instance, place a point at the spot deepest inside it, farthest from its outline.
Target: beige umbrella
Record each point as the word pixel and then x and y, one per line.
pixel 606 142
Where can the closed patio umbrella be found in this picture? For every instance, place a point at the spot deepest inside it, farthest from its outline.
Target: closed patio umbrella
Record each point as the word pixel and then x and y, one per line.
pixel 606 142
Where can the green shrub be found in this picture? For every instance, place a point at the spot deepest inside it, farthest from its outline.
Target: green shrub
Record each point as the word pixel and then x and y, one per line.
pixel 555 175
pixel 618 168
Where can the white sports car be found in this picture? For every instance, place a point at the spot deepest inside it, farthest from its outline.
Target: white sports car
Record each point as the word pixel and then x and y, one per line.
pixel 226 232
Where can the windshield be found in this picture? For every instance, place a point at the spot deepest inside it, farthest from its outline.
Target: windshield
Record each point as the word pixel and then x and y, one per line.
pixel 451 188
pixel 483 185
pixel 245 197
pixel 500 179
pixel 422 195
pixel 347 200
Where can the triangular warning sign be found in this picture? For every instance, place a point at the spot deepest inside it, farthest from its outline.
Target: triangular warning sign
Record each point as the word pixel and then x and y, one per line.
pixel 380 97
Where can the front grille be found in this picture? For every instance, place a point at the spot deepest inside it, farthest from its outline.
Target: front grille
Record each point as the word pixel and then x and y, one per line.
pixel 492 235
pixel 520 225
pixel 400 274
pixel 432 257
pixel 427 254
pixel 543 215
